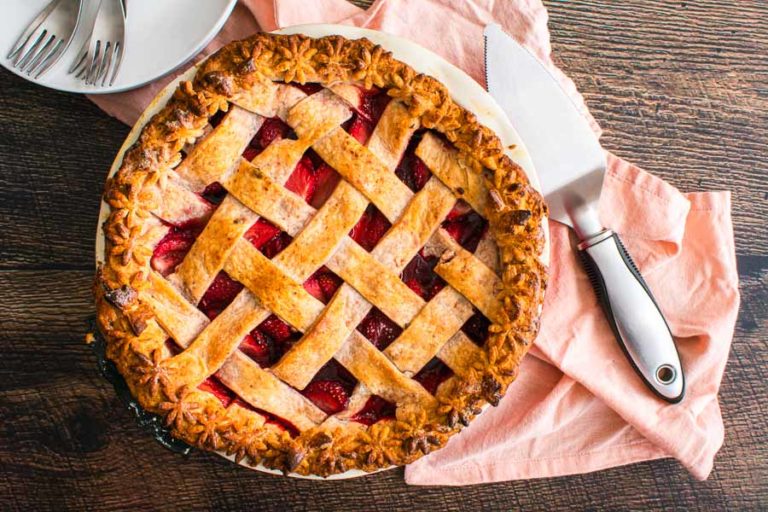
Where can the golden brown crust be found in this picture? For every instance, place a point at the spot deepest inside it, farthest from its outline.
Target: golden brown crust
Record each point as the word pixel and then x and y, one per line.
pixel 137 343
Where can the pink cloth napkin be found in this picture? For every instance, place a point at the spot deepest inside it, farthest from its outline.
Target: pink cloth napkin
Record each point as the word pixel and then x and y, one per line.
pixel 577 405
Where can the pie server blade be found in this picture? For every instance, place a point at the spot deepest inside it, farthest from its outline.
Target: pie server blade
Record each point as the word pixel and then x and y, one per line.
pixel 570 164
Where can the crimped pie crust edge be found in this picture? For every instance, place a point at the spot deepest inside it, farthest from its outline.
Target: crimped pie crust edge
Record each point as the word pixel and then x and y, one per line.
pixel 196 416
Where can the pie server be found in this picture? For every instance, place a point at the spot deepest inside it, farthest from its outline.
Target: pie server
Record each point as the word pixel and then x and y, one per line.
pixel 571 164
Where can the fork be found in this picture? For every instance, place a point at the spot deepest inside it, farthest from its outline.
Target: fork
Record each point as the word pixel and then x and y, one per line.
pixel 103 48
pixel 46 39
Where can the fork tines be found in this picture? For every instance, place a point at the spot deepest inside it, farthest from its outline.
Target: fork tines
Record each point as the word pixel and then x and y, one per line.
pixel 101 54
pixel 96 66
pixel 38 47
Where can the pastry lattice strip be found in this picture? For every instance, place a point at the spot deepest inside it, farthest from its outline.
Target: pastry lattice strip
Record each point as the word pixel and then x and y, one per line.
pixel 293 215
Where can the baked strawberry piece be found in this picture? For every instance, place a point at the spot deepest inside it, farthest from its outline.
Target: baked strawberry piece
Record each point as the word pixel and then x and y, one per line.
pixel 267 343
pixel 219 390
pixel 313 179
pixel 260 347
pixel 261 232
pixel 309 88
pixel 379 329
pixel 271 130
pixel 433 374
pixel 411 170
pixel 367 114
pixel 375 410
pixel 214 193
pixel 269 418
pixel 372 104
pixel 323 284
pixel 267 238
pixel 174 246
pixel 331 388
pixel 476 328
pixel 420 276
pixel 283 335
pixel 219 295
pixel 466 226
pixel 216 118
pixel 370 228
pixel 303 180
pixel 277 329
pixel 326 179
pixel 328 395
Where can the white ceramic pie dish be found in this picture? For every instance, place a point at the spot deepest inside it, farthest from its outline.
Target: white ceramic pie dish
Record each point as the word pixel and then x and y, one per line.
pixel 464 90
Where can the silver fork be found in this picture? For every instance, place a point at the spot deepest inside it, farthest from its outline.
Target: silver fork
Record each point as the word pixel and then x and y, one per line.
pixel 104 47
pixel 44 41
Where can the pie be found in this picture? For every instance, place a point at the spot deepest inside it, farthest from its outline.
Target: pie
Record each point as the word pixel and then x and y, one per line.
pixel 317 261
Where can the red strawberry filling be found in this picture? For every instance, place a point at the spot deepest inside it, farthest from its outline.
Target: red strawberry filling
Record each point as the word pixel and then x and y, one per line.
pixel 303 180
pixel 467 229
pixel 270 418
pixel 367 114
pixel 214 386
pixel 267 343
pixel 214 193
pixel 326 179
pixel 331 387
pixel 309 88
pixel 476 328
pixel 323 284
pixel 267 238
pixel 261 232
pixel 271 130
pixel 172 248
pixel 379 329
pixel 280 422
pixel 313 179
pixel 333 370
pixel 459 210
pixel 276 329
pixel 328 395
pixel 251 152
pixel 420 277
pixel 259 347
pixel 276 245
pixel 219 295
pixel 374 410
pixel 370 228
pixel 411 170
pixel 216 118
pixel 433 374
pixel 372 104
pixel 360 128
pixel 172 347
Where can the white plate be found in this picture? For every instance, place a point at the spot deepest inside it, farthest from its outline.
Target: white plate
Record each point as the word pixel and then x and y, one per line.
pixel 464 90
pixel 160 36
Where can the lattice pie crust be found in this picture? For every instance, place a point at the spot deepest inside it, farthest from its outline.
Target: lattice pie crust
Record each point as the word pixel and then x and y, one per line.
pixel 180 153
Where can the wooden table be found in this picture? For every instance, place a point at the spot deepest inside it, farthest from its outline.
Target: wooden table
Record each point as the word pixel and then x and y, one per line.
pixel 680 89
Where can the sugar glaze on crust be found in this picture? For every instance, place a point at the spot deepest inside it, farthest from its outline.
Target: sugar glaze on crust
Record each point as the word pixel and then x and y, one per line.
pixel 136 342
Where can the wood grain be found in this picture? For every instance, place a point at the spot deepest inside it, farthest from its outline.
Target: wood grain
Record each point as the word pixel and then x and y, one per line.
pixel 679 88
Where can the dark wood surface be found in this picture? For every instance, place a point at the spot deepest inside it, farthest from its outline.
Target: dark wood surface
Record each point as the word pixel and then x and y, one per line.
pixel 680 89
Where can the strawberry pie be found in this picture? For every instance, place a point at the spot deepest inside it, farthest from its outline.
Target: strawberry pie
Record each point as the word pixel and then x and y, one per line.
pixel 317 261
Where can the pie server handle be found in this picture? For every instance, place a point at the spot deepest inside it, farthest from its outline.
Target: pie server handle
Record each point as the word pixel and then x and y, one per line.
pixel 634 316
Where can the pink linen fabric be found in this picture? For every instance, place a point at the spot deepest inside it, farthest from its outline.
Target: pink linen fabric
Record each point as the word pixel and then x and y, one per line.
pixel 577 405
